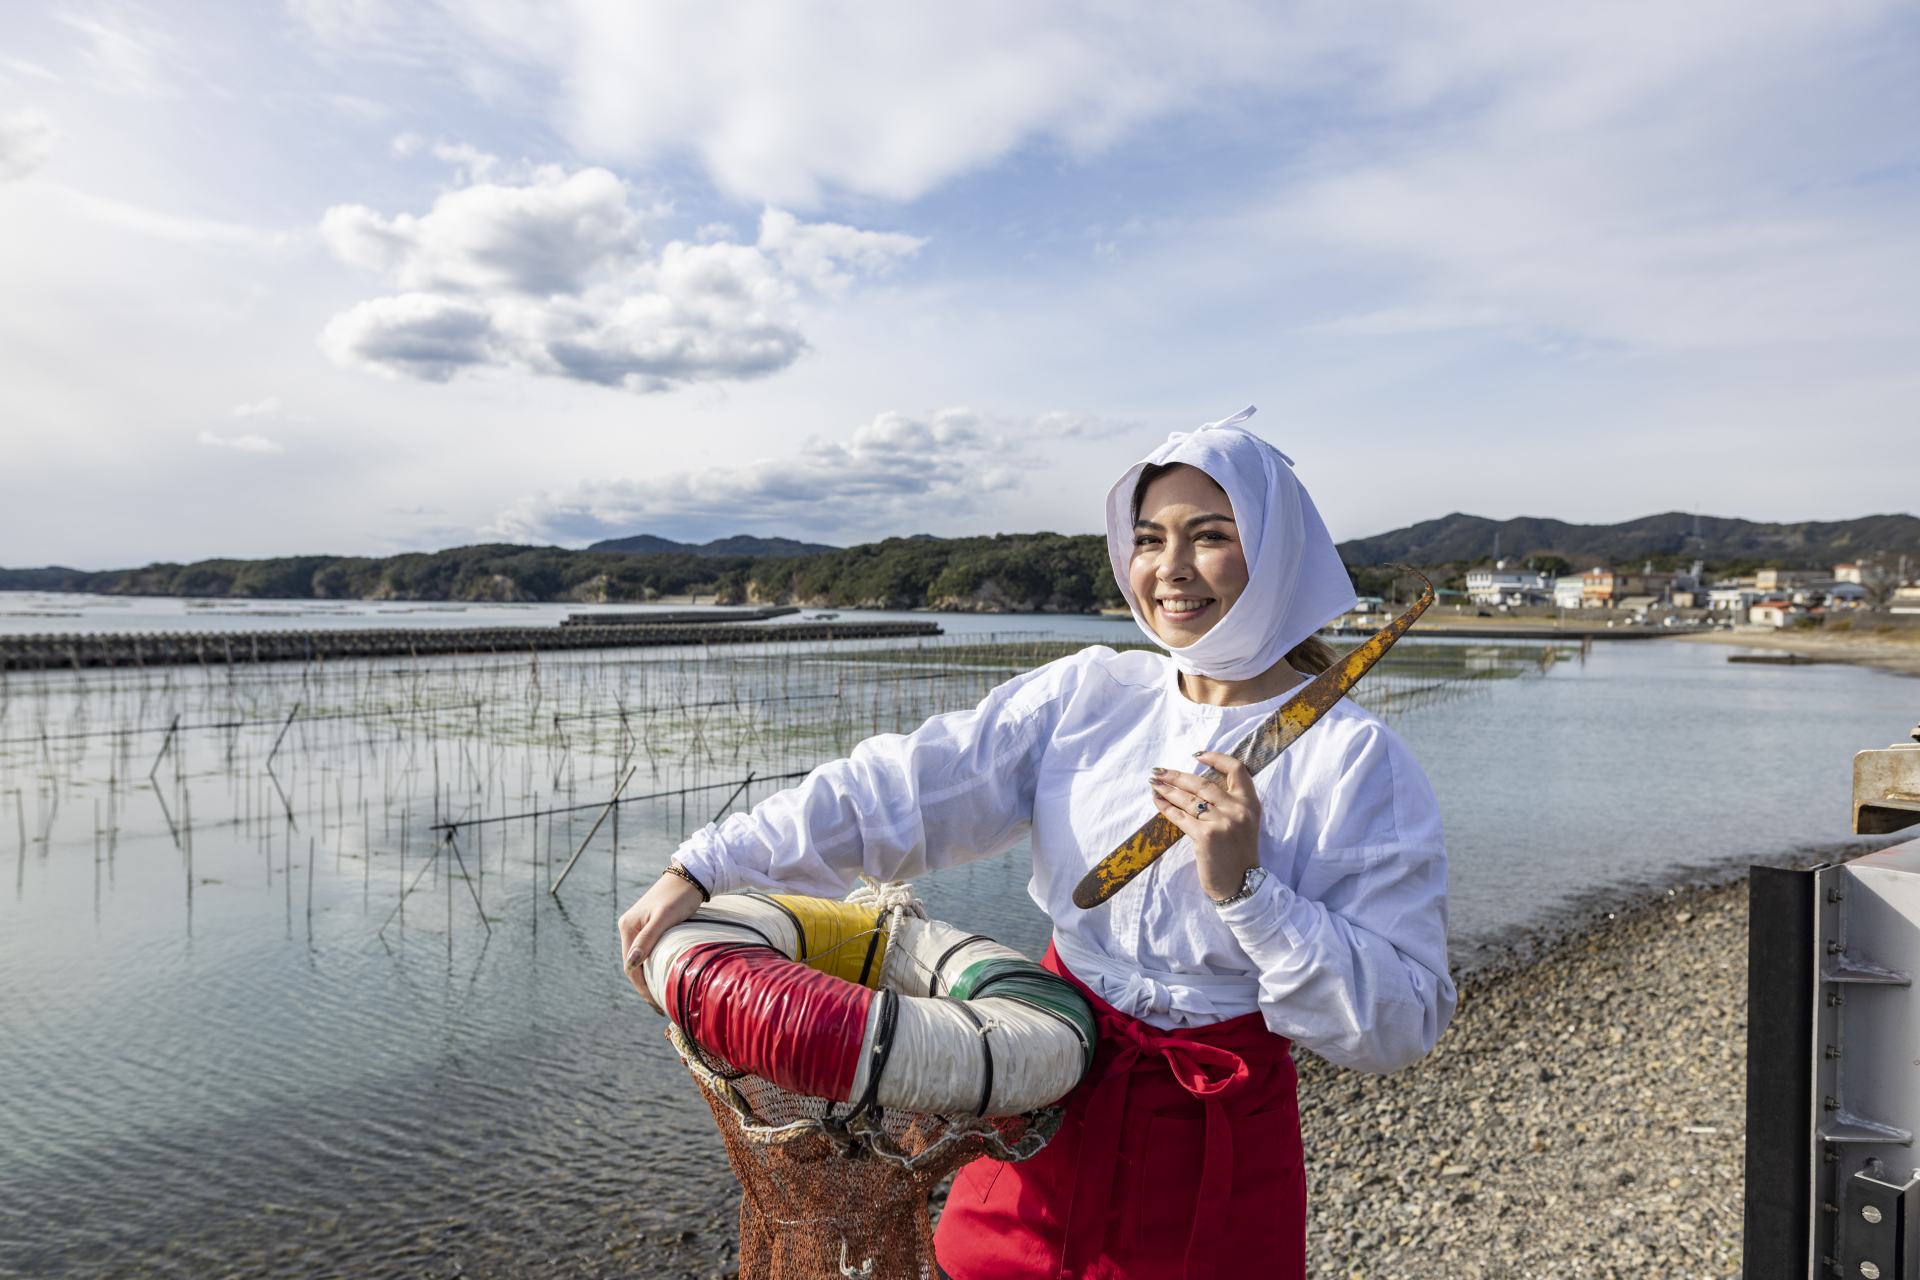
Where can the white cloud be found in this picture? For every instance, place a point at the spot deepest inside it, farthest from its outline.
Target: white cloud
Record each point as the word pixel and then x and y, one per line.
pixel 892 473
pixel 826 255
pixel 419 335
pixel 1703 192
pixel 875 98
pixel 26 140
pixel 172 226
pixel 470 162
pixel 545 237
pixel 554 276
pixel 248 443
pixel 257 408
pixel 30 70
pixel 125 55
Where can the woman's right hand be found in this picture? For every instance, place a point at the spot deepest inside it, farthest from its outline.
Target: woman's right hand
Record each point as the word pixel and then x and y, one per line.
pixel 670 901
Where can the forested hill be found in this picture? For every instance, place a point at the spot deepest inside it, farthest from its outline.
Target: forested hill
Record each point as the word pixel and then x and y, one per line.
pixel 1673 537
pixel 740 544
pixel 1036 572
pixel 1043 572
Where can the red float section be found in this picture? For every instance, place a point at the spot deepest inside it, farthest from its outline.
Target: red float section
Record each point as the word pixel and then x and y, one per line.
pixel 770 1015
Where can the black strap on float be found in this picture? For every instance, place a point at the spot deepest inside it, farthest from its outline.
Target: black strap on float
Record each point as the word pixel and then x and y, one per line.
pixel 697 918
pixel 873 945
pixel 947 955
pixel 1036 1006
pixel 799 930
pixel 882 1050
pixel 986 1051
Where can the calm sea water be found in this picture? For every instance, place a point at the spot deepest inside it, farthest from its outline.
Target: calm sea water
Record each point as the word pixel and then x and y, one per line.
pixel 227 1049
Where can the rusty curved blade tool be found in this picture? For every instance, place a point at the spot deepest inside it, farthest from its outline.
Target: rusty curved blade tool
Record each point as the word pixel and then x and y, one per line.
pixel 1257 750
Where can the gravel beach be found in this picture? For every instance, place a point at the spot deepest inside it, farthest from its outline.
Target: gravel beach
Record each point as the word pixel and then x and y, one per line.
pixel 1582 1117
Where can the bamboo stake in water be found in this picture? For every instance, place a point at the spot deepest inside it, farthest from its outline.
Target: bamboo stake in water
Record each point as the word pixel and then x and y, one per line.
pixel 611 803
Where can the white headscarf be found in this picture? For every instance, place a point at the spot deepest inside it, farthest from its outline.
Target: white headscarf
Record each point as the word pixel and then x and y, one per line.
pixel 1296 583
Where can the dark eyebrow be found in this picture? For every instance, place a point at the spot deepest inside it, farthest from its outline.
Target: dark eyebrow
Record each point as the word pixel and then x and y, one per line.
pixel 1195 521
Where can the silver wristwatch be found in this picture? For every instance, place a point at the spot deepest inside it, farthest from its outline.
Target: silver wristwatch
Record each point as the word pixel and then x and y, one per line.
pixel 1254 876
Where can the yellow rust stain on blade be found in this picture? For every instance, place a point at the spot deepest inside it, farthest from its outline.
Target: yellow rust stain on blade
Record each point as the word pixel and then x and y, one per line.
pixel 1259 749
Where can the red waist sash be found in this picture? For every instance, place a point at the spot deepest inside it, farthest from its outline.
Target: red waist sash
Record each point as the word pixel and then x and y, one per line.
pixel 1179 1155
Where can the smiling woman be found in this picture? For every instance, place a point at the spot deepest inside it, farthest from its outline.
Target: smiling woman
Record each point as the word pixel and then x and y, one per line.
pixel 1188 568
pixel 1304 906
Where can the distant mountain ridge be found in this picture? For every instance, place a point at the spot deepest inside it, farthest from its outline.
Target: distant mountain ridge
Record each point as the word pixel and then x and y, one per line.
pixel 1024 572
pixel 740 544
pixel 1456 538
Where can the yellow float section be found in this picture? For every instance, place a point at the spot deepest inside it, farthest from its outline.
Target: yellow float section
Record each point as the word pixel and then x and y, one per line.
pixel 839 938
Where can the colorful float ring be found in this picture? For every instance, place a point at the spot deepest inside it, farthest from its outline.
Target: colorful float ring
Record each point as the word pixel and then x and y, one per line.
pixel 878 1008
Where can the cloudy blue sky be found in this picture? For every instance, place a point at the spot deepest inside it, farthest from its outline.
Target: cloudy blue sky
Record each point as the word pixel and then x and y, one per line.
pixel 360 276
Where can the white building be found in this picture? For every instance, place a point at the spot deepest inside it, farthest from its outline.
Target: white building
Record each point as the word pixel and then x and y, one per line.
pixel 1502 585
pixel 1775 612
pixel 1568 590
pixel 1732 599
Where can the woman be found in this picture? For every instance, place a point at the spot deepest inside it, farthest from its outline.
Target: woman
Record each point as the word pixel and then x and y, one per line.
pixel 1306 905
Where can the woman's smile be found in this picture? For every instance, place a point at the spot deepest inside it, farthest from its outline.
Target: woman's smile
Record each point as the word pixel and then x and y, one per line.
pixel 1188 565
pixel 1183 607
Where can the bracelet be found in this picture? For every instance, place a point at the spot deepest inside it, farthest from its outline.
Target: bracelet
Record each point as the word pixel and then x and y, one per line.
pixel 675 869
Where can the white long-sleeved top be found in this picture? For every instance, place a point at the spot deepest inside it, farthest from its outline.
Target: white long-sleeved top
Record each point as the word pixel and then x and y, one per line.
pixel 1343 948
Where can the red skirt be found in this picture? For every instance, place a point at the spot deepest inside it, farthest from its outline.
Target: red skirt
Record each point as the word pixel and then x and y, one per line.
pixel 1179 1155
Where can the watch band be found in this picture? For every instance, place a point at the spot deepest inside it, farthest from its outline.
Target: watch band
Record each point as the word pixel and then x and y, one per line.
pixel 1248 884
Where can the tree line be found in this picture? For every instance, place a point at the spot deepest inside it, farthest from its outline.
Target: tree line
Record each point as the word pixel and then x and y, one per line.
pixel 1040 572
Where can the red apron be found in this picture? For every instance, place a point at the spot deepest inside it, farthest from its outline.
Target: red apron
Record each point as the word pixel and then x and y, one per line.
pixel 1179 1155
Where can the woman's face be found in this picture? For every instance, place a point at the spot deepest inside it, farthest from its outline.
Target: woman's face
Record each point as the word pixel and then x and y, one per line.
pixel 1188 566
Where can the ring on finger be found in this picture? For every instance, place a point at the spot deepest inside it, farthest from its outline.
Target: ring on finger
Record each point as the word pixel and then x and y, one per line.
pixel 1201 808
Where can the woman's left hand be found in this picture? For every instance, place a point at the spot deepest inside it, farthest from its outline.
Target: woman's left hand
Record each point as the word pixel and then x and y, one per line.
pixel 1222 818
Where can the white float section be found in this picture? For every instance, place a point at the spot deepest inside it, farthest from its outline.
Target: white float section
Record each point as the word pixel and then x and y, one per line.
pixel 938 1063
pixel 918 948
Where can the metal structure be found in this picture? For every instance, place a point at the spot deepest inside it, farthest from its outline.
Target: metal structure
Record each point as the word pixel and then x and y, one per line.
pixel 1833 1050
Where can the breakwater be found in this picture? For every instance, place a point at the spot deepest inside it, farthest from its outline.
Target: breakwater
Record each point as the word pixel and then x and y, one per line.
pixel 657 617
pixel 204 648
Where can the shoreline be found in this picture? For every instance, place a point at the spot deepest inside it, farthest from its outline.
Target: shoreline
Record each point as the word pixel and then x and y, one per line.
pixel 1894 650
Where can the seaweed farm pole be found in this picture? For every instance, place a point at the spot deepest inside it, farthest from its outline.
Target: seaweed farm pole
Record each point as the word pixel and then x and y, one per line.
pixel 454 846
pixel 164 744
pixel 612 804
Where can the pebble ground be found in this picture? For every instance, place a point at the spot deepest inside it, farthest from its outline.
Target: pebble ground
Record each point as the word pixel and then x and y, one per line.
pixel 1582 1117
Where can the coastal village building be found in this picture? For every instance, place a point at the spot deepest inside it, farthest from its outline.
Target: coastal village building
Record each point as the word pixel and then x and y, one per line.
pixel 1775 612
pixel 1502 585
pixel 1782 581
pixel 1609 588
pixel 1567 591
pixel 1848 573
pixel 1733 599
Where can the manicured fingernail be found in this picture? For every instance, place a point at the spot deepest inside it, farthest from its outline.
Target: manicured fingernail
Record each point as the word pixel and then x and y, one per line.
pixel 634 958
pixel 1157 771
